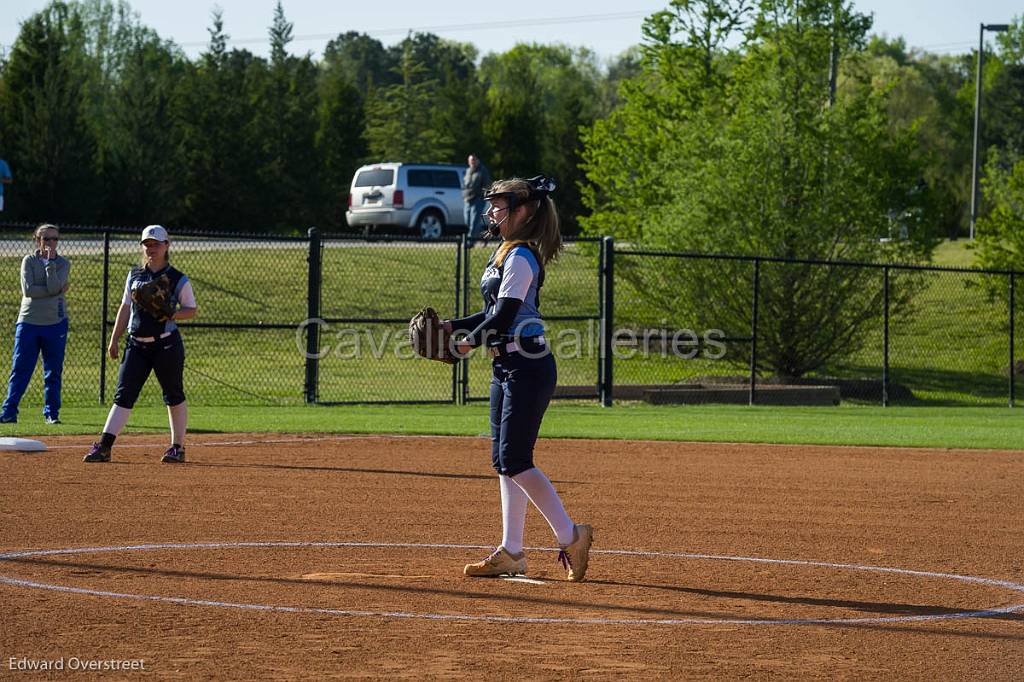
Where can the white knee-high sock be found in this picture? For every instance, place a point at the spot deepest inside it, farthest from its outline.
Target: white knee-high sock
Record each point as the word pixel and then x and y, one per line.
pixel 116 420
pixel 513 514
pixel 545 498
pixel 178 416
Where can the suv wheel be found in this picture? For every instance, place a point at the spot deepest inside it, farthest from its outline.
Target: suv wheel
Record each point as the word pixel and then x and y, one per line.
pixel 430 225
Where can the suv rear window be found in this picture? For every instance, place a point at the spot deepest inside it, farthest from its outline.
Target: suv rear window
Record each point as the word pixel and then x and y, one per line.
pixel 375 178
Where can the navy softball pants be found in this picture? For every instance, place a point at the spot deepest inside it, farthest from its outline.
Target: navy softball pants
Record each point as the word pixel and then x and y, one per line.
pixel 521 389
pixel 163 357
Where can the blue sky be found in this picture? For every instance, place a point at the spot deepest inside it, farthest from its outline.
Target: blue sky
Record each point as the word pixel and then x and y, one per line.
pixel 606 27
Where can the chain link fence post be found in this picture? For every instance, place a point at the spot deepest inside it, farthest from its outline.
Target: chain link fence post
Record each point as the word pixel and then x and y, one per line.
pixel 104 302
pixel 1013 322
pixel 600 312
pixel 315 281
pixel 753 330
pixel 607 388
pixel 466 247
pixel 459 369
pixel 885 337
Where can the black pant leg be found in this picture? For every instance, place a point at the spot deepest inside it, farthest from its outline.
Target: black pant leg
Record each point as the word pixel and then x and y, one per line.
pixel 169 367
pixel 527 388
pixel 136 364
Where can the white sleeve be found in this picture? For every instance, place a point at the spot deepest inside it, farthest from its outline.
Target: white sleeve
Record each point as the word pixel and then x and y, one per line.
pixel 517 276
pixel 126 299
pixel 187 297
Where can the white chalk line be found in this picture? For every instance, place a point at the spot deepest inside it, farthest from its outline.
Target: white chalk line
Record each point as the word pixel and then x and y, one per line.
pixel 266 441
pixel 360 436
pixel 17 582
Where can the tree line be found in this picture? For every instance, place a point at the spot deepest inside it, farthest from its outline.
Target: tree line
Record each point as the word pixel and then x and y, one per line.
pixel 103 121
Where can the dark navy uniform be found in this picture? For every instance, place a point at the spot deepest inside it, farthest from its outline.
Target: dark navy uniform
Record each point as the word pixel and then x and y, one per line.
pixel 523 369
pixel 524 375
pixel 153 345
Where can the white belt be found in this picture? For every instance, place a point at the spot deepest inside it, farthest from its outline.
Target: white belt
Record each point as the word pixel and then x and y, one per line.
pixel 151 339
pixel 512 347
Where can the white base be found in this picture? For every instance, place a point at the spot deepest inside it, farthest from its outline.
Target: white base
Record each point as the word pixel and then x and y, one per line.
pixel 22 445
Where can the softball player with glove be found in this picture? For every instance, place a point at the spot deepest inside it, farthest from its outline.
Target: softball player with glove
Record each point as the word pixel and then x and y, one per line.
pixel 155 296
pixel 523 370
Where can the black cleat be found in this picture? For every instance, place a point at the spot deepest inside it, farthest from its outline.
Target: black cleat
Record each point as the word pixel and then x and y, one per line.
pixel 174 455
pixel 97 453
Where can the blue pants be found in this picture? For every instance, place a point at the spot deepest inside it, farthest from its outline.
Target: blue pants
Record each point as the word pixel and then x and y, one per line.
pixel 29 341
pixel 473 212
pixel 163 357
pixel 521 389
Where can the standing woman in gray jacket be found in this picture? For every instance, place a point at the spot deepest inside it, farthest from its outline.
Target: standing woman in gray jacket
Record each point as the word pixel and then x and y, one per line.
pixel 42 326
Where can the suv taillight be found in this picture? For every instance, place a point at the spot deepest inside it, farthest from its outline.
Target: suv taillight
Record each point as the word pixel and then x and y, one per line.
pixel 398 200
pixel 350 200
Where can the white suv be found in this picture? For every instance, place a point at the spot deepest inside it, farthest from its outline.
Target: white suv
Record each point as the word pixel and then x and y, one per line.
pixel 421 196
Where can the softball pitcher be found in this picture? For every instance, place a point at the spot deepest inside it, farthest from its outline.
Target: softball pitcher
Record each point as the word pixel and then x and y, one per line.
pixel 523 370
pixel 155 296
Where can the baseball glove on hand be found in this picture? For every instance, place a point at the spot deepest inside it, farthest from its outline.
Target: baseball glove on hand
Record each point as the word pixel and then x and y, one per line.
pixel 155 298
pixel 429 337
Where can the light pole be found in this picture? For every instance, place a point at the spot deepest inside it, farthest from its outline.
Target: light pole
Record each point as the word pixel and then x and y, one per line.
pixel 977 116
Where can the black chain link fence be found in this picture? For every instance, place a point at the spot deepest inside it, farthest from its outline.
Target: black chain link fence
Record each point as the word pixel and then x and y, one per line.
pixel 240 350
pixel 893 335
pixel 954 345
pixel 370 289
pixel 571 304
pixel 664 337
pixel 323 318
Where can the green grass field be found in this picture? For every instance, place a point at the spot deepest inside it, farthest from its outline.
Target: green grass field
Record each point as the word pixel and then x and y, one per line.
pixel 954 253
pixel 952 349
pixel 894 426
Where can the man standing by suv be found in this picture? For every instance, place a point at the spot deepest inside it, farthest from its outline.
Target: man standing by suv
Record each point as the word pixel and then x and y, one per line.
pixel 477 179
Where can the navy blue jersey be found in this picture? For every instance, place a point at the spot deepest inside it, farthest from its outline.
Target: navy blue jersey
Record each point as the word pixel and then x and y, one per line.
pixel 520 277
pixel 141 323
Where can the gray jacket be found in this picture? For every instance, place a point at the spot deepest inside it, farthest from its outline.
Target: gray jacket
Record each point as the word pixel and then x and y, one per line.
pixel 42 288
pixel 474 182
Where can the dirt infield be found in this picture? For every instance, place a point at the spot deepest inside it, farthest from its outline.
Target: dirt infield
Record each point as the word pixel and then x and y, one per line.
pixel 290 556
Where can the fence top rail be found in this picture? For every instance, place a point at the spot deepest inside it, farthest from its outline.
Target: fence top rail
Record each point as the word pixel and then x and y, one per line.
pixel 811 261
pixel 249 236
pixel 370 238
pixel 28 227
pixel 344 236
pixel 135 231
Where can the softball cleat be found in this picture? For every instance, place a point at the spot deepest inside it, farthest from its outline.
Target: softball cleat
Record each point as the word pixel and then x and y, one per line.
pixel 576 555
pixel 500 562
pixel 174 455
pixel 97 453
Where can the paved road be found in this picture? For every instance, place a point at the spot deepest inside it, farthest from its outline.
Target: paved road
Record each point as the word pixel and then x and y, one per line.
pixel 74 246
